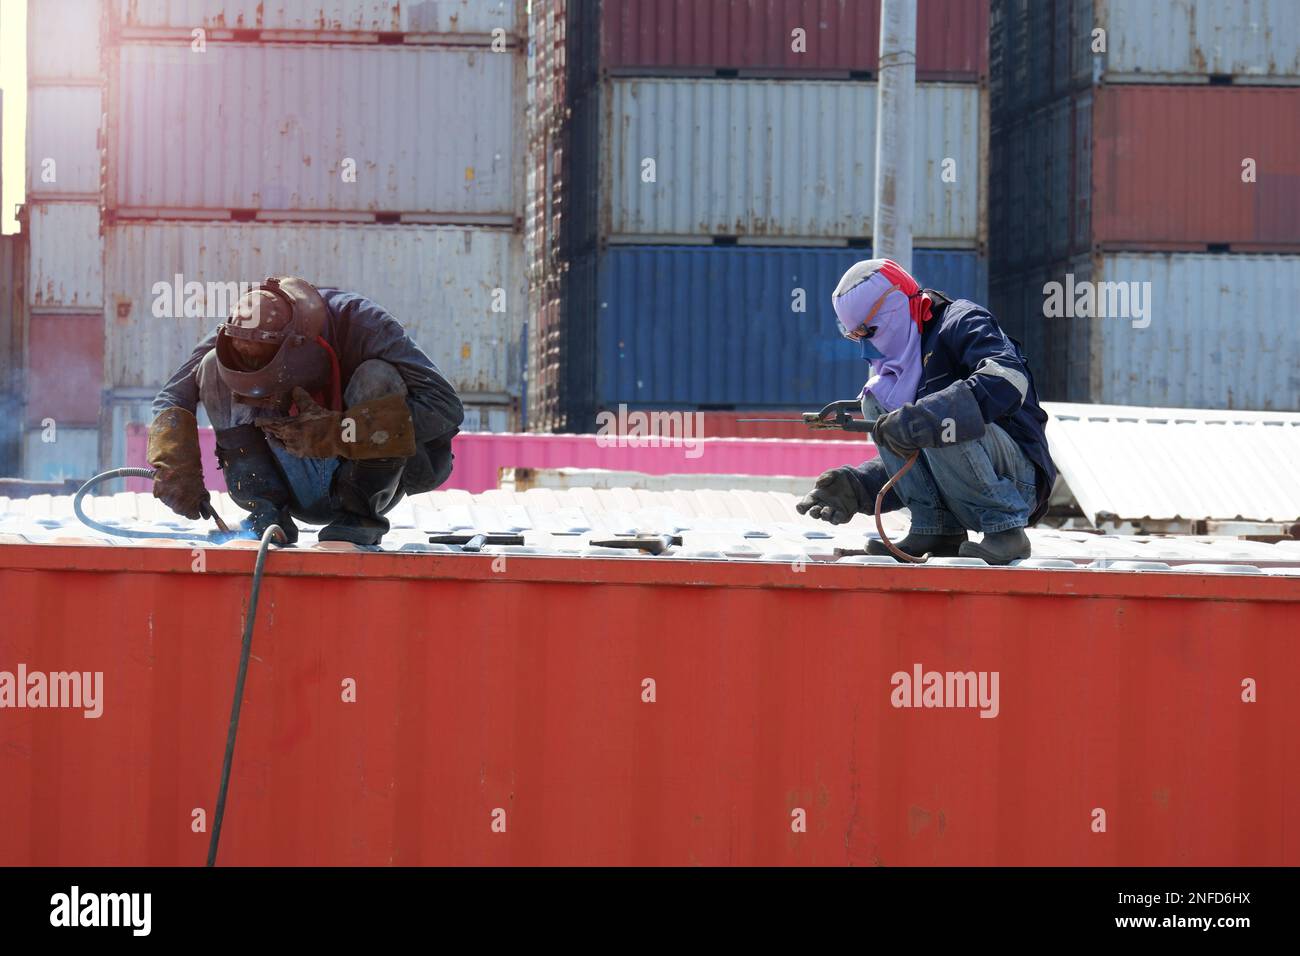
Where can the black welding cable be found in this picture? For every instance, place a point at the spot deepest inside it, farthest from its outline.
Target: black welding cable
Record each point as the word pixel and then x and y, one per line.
pixel 244 651
pixel 271 533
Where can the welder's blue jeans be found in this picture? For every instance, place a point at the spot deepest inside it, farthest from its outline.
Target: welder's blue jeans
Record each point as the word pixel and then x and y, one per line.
pixel 985 485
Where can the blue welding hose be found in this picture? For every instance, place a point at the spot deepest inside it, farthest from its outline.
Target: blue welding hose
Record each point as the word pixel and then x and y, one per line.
pixel 208 511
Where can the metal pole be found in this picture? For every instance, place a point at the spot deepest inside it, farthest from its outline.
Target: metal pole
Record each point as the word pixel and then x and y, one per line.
pixel 892 221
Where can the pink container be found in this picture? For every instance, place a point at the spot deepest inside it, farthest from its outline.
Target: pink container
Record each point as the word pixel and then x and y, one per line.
pixel 480 456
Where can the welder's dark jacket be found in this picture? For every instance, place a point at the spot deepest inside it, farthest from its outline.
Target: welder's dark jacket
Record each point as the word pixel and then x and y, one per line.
pixel 357 330
pixel 963 348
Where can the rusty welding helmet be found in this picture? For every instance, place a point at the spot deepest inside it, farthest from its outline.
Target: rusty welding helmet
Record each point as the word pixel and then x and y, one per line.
pixel 285 312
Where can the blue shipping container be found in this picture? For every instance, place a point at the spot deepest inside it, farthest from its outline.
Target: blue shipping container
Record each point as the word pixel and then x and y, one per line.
pixel 734 327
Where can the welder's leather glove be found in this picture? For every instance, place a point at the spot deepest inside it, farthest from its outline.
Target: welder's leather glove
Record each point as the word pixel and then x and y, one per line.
pixel 173 453
pixel 890 432
pixel 837 496
pixel 379 428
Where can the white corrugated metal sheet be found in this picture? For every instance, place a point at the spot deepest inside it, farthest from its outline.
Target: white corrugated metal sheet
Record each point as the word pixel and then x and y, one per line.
pixel 273 126
pixel 62 147
pixel 66 256
pixel 782 159
pixel 730 525
pixel 1172 39
pixel 1217 338
pixel 439 281
pixel 419 16
pixel 1167 464
pixel 63 40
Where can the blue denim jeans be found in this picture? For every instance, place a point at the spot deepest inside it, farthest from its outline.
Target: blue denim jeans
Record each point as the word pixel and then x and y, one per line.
pixel 986 485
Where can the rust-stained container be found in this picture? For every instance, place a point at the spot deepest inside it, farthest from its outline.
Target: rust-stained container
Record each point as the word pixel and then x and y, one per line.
pixel 1146 168
pixel 1172 330
pixel 768 36
pixel 1186 167
pixel 65 256
pixel 65 369
pixel 460 292
pixel 13 326
pixel 651 711
pixel 429 133
pixel 766 159
pixel 324 19
pixel 63 42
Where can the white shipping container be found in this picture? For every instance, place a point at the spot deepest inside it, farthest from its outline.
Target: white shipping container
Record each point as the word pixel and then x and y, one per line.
pixel 490 418
pixel 314 128
pixel 786 160
pixel 1215 338
pixel 66 257
pixel 63 40
pixel 444 284
pixel 461 17
pixel 62 141
pixel 1165 41
pixel 74 453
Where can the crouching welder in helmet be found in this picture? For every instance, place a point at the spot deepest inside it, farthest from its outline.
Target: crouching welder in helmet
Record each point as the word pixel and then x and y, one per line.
pixel 948 383
pixel 324 410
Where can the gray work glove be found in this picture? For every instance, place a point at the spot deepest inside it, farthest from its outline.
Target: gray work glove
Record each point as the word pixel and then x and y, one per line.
pixel 837 496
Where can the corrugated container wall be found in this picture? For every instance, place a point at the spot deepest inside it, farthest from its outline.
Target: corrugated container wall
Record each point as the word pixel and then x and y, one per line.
pixel 776 159
pixel 523 692
pixel 440 282
pixel 1195 330
pixel 429 132
pixel 1211 343
pixel 1040 50
pixel 63 156
pixel 1159 181
pixel 65 257
pixel 465 18
pixel 726 327
pixel 63 41
pixel 760 36
pixel 746 124
pixel 13 323
pixel 1179 41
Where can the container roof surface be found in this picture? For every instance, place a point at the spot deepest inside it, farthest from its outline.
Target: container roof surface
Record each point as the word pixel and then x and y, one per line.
pixel 1164 464
pixel 712 525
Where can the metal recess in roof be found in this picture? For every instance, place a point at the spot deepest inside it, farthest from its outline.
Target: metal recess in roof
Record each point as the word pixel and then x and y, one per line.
pixel 703 525
pixel 1129 463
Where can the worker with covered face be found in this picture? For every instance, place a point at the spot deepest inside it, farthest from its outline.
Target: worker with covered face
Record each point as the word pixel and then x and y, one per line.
pixel 324 410
pixel 948 383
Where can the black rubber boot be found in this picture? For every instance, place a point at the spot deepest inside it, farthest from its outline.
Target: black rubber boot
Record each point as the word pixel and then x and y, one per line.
pixel 364 490
pixel 253 479
pixel 1001 547
pixel 917 545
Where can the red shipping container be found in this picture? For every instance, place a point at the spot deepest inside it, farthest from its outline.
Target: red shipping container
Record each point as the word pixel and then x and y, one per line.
pixel 1167 168
pixel 732 425
pixel 757 36
pixel 65 369
pixel 520 689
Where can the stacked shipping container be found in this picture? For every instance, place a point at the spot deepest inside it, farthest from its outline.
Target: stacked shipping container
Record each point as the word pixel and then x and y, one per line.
pixel 704 176
pixel 365 144
pixel 1148 142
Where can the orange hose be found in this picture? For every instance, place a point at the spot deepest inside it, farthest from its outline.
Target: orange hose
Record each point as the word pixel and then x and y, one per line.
pixel 880 498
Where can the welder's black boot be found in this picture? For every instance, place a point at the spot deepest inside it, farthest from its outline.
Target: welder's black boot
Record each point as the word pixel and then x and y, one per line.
pixel 253 479
pixel 363 491
pixel 1000 547
pixel 918 545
